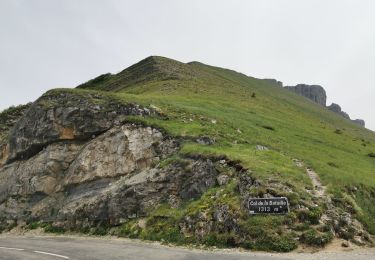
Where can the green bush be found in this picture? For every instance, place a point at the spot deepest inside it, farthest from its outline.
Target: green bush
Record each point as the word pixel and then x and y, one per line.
pixel 338 131
pixel 54 229
pixel 100 231
pixel 268 127
pixel 33 225
pixel 314 238
pixel 311 215
pixel 220 240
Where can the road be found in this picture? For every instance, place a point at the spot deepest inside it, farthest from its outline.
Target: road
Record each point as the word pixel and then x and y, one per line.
pixel 81 248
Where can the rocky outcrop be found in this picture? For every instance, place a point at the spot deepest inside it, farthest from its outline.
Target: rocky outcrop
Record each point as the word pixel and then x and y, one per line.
pixel 315 93
pixel 64 116
pixel 8 118
pixel 337 109
pixel 359 122
pixel 274 82
pixel 108 179
pixel 75 161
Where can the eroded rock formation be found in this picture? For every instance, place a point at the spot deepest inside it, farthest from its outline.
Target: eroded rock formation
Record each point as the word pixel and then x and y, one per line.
pixel 77 166
pixel 314 92
pixel 317 94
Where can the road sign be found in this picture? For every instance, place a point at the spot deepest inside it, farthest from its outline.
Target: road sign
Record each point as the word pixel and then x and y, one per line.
pixel 278 205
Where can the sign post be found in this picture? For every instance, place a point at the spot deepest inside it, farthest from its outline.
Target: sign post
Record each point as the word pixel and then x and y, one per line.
pixel 278 205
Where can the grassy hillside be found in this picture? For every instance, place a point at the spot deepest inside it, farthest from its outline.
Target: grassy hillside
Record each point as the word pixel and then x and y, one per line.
pixel 240 112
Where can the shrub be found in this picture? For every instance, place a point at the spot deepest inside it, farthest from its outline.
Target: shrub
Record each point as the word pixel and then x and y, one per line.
pixel 315 238
pixel 220 240
pixel 129 229
pixel 100 231
pixel 54 229
pixel 332 164
pixel 33 225
pixel 268 127
pixel 311 215
pixel 338 131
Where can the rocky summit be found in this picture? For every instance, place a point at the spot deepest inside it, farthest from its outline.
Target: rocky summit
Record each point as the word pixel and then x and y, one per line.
pixel 318 95
pixel 174 152
pixel 314 92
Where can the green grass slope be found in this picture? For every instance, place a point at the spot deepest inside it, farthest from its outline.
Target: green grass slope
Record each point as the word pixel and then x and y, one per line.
pixel 240 112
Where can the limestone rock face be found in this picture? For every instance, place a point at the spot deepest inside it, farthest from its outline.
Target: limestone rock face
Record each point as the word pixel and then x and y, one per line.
pixel 61 117
pixel 359 122
pixel 315 93
pixel 274 82
pixel 337 109
pixel 120 151
pixel 76 163
pixel 8 118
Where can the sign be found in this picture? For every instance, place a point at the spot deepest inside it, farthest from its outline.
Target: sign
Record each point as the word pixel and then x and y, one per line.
pixel 278 205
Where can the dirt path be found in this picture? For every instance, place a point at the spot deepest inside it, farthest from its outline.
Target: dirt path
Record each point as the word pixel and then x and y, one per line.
pixel 319 190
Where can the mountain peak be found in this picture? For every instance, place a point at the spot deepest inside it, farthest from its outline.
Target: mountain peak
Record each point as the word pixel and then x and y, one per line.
pixel 149 69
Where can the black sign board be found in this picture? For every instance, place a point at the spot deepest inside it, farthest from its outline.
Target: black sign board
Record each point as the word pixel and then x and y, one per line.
pixel 277 205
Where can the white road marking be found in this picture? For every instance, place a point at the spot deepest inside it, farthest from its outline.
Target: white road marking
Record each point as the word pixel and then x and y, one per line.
pixel 46 253
pixel 12 248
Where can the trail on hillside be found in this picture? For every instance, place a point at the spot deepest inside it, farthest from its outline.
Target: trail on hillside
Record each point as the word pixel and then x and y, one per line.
pixel 319 190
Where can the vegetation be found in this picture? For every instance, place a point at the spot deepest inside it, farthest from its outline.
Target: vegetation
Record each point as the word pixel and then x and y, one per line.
pixel 316 238
pixel 196 100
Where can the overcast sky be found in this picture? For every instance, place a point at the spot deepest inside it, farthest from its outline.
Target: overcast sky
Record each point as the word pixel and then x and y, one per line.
pixel 46 44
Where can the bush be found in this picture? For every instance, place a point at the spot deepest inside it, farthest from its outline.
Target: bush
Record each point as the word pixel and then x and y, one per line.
pixel 284 243
pixel 268 127
pixel 33 225
pixel 332 164
pixel 100 231
pixel 311 215
pixel 220 240
pixel 338 131
pixel 314 238
pixel 372 155
pixel 54 229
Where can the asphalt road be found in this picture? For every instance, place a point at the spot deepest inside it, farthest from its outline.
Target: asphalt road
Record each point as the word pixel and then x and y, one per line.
pixel 58 248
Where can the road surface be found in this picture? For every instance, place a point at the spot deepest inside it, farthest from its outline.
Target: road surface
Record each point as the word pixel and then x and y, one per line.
pixel 81 248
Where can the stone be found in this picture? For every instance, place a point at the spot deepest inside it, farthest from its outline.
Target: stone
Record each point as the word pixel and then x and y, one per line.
pixel 345 244
pixel 222 179
pixel 261 148
pixel 221 213
pixel 205 140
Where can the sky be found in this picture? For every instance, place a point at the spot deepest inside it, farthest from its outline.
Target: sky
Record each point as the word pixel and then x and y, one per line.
pixel 47 44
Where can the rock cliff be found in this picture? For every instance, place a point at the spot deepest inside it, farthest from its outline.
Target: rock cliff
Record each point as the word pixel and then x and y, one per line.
pixel 318 95
pixel 337 109
pixel 314 92
pixel 75 162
